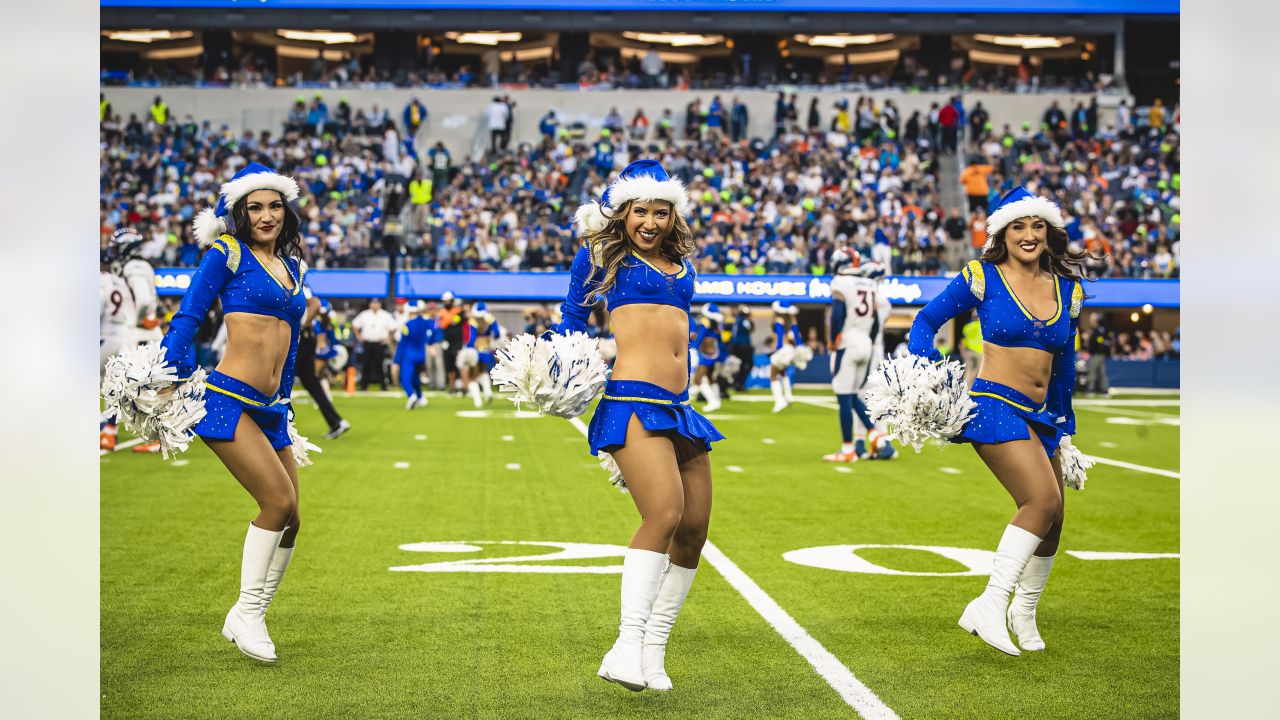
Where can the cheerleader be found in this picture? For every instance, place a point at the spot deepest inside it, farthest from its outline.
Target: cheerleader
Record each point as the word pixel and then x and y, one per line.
pixel 708 352
pixel 1027 291
pixel 256 272
pixel 636 245
pixel 476 358
pixel 786 333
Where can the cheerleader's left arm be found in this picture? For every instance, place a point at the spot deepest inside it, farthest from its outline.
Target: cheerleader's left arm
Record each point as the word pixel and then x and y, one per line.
pixel 286 374
pixel 1062 382
pixel 290 361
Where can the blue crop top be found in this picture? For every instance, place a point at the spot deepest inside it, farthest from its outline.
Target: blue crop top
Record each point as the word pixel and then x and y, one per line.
pixel 1006 322
pixel 637 282
pixel 233 274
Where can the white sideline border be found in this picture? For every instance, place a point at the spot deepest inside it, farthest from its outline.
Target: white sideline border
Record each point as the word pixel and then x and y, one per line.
pixel 855 694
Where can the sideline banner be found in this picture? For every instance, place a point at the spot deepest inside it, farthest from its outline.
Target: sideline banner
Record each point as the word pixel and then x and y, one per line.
pixel 752 289
pixel 803 289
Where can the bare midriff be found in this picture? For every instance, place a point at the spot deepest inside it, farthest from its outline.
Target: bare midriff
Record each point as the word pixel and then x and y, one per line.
pixel 653 345
pixel 257 346
pixel 1024 369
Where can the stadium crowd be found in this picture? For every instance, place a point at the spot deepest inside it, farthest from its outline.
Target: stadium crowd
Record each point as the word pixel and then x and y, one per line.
pixel 602 69
pixel 860 175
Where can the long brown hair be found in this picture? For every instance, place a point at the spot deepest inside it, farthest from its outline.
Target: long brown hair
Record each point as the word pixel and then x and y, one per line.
pixel 1058 257
pixel 610 246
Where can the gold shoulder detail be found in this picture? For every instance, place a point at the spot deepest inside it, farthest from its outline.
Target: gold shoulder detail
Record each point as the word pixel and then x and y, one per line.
pixel 1077 298
pixel 233 251
pixel 977 279
pixel 597 253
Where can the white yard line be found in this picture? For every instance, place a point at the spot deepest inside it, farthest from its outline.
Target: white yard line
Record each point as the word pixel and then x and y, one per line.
pixel 1139 468
pixel 1104 402
pixel 851 690
pixel 819 402
pixel 121 446
pixel 1144 414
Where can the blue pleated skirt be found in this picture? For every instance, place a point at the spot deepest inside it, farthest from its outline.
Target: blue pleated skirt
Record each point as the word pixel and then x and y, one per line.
pixel 1004 414
pixel 658 410
pixel 226 398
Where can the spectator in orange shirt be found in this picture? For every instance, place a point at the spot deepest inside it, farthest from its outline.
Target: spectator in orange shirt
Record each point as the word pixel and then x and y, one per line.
pixel 978 229
pixel 974 179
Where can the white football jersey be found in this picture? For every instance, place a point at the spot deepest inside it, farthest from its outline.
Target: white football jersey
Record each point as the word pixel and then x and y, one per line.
pixel 140 278
pixel 865 310
pixel 119 314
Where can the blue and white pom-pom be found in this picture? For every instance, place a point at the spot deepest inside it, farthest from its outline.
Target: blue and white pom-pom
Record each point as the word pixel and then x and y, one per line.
pixel 615 473
pixel 804 354
pixel 1074 463
pixel 131 385
pixel 729 368
pixel 557 375
pixel 301 446
pixel 918 400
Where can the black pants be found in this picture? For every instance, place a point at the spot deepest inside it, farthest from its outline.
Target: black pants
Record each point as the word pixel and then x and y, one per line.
pixel 305 369
pixel 371 370
pixel 743 353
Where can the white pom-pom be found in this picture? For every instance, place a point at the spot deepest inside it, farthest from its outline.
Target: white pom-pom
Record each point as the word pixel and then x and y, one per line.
pixel 918 400
pixel 559 375
pixel 207 227
pixel 131 385
pixel 804 354
pixel 1074 463
pixel 301 447
pixel 468 358
pixel 608 348
pixel 615 473
pixel 729 368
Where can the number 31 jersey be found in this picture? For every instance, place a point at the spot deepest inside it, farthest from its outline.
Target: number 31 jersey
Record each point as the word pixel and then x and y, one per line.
pixel 862 303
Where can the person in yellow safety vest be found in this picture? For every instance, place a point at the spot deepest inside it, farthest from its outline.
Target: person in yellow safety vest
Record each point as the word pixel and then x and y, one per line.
pixel 971 349
pixel 104 108
pixel 419 199
pixel 159 111
pixel 420 190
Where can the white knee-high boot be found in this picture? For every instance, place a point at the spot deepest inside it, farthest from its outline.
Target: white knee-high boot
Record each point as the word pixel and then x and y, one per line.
pixel 474 389
pixel 486 387
pixel 641 575
pixel 985 615
pixel 786 388
pixel 275 573
pixel 1022 610
pixel 245 624
pixel 671 596
pixel 711 393
pixel 779 400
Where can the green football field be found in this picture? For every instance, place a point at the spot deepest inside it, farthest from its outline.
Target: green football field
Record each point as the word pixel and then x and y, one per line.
pixel 399 602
